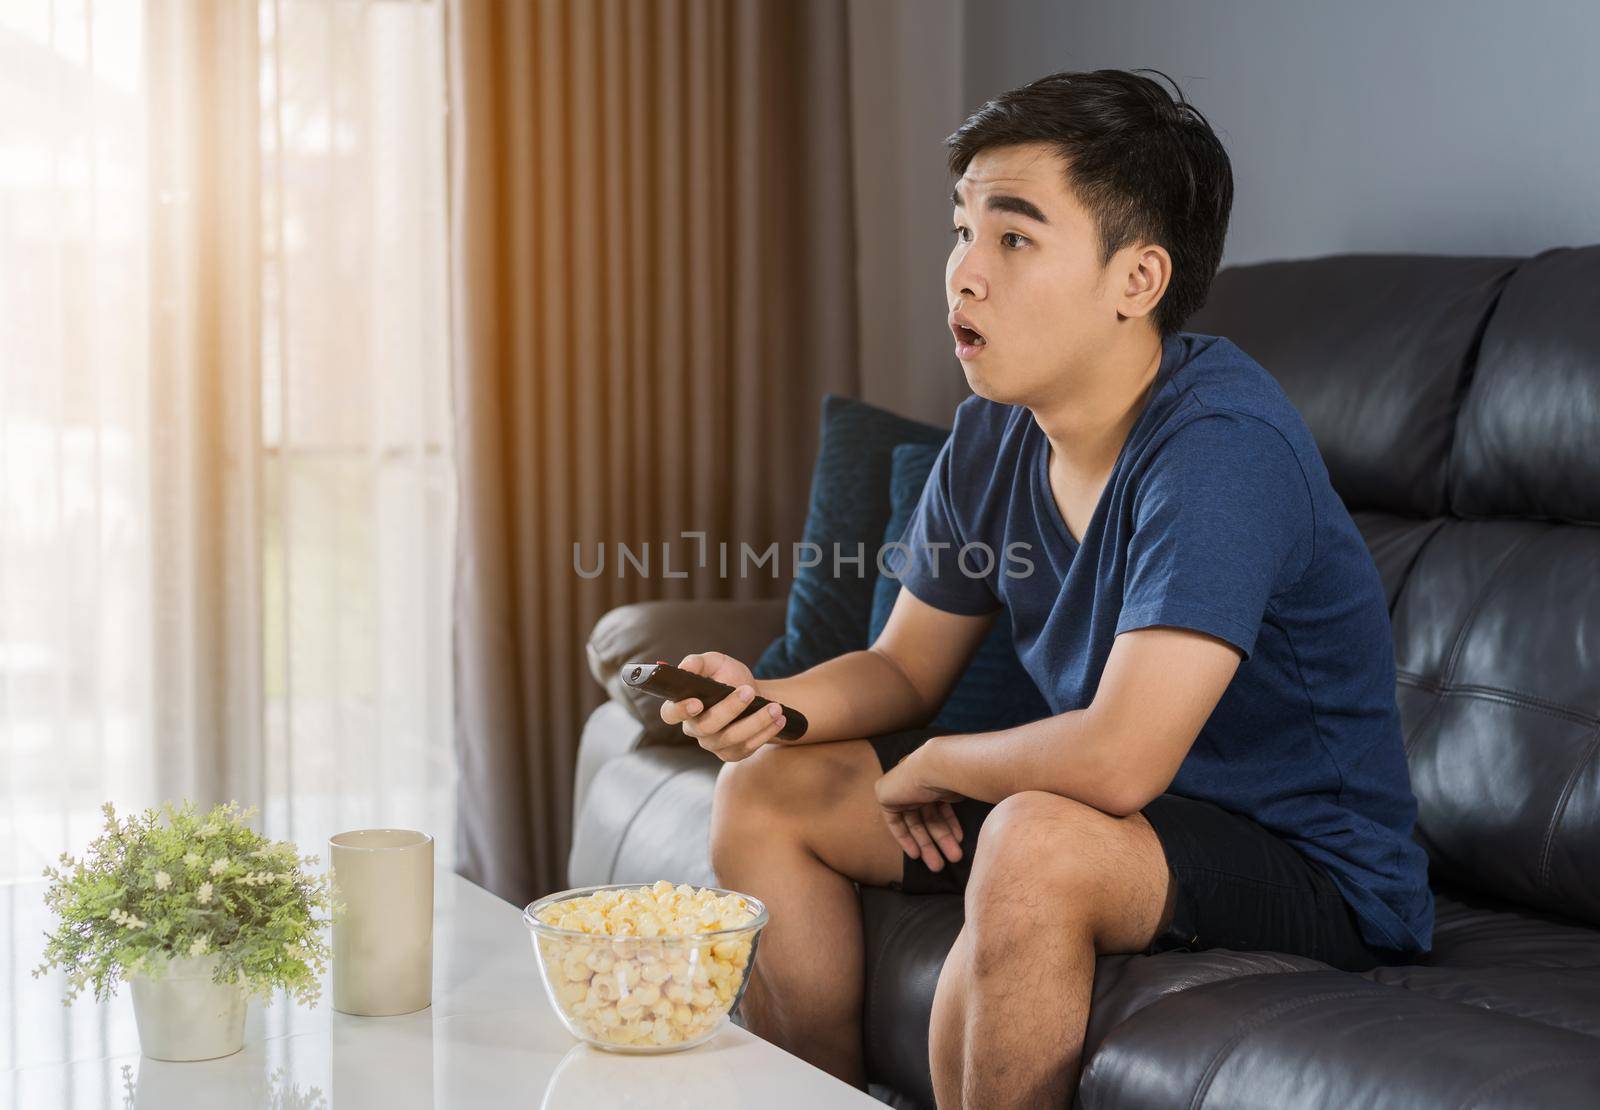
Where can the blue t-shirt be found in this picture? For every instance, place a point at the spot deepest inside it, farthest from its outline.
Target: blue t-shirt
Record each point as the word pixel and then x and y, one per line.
pixel 1218 516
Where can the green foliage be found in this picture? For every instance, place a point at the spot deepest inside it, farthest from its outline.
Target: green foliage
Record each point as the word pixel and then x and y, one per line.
pixel 198 885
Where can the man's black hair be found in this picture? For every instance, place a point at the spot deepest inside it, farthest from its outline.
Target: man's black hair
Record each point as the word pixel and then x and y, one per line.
pixel 1147 167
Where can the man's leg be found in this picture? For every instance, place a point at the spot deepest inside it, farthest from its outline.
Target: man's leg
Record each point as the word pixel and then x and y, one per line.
pixel 947 1028
pixel 794 826
pixel 1054 883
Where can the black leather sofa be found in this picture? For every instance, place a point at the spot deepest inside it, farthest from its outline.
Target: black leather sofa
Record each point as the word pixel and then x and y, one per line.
pixel 1456 401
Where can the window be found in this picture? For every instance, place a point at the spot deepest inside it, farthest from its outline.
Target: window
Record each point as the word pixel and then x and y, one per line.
pixel 347 511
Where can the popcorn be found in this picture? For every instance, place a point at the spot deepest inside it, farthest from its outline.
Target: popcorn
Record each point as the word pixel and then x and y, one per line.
pixel 639 978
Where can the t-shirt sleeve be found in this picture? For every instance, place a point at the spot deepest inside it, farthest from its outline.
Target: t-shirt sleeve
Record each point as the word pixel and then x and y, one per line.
pixel 928 557
pixel 1223 520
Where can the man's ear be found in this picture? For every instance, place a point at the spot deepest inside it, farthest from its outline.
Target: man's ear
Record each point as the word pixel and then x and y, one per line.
pixel 1145 271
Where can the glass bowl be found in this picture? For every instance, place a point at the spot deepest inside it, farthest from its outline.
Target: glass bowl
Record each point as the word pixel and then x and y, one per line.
pixel 643 994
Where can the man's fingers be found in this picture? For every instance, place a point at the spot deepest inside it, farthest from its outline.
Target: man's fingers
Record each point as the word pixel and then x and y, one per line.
pixel 738 740
pixel 742 740
pixel 715 665
pixel 930 854
pixel 930 832
pixel 721 714
pixel 742 732
pixel 942 831
pixel 765 734
pixel 950 816
pixel 676 712
pixel 897 826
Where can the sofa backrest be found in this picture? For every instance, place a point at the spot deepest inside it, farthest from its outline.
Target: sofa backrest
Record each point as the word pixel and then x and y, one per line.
pixel 1456 402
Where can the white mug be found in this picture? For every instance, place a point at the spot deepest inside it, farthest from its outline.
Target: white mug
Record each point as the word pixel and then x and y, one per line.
pixel 383 935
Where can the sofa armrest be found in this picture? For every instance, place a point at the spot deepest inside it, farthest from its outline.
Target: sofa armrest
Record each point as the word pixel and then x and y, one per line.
pixel 649 630
pixel 610 731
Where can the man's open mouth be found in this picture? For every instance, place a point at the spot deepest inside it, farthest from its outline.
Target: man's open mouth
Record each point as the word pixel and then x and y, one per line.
pixel 967 335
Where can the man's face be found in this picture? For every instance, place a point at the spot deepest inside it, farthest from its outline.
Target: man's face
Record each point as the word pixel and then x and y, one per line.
pixel 1025 271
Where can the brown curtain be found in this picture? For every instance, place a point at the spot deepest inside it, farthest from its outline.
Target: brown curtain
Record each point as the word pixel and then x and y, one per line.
pixel 654 285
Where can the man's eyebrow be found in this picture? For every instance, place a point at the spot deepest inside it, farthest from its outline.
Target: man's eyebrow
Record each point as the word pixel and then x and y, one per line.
pixel 1004 202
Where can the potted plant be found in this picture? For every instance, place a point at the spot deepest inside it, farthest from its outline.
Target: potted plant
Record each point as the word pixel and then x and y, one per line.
pixel 197 915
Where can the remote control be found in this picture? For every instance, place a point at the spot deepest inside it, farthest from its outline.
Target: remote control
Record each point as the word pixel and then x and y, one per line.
pixel 663 680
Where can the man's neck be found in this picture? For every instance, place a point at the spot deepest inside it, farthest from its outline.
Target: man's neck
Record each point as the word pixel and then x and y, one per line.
pixel 1088 424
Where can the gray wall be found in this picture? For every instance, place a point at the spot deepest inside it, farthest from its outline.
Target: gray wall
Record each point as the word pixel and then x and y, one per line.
pixel 906 96
pixel 1434 126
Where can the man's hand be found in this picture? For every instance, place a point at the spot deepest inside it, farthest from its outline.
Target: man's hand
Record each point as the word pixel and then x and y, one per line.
pixel 714 725
pixel 920 815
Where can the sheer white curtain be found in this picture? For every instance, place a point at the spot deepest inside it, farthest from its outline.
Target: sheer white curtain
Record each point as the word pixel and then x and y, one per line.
pixel 358 479
pixel 227 499
pixel 74 450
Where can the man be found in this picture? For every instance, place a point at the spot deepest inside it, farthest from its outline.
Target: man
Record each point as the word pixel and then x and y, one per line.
pixel 1224 764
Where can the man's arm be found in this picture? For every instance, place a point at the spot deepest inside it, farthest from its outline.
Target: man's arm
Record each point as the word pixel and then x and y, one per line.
pixel 1222 519
pixel 898 683
pixel 1158 688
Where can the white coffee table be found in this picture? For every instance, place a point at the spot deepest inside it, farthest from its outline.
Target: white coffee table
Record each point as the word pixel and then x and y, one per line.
pixel 489 1039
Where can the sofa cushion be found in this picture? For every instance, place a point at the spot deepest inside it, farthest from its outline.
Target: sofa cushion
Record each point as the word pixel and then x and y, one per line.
pixel 611 731
pixel 1525 439
pixel 647 816
pixel 1565 999
pixel 994 691
pixel 1497 630
pixel 1487 955
pixel 1473 930
pixel 908 937
pixel 1492 954
pixel 1374 352
pixel 828 613
pixel 1395 542
pixel 1333 1039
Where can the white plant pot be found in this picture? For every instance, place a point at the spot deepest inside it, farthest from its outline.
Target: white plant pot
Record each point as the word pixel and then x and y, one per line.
pixel 183 1015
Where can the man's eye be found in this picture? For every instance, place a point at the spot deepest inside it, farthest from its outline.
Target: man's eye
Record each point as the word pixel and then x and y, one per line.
pixel 1021 239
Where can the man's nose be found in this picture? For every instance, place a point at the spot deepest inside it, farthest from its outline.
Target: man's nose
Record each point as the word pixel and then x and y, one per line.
pixel 965 281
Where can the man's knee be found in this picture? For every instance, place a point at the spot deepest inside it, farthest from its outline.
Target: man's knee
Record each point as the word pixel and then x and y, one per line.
pixel 785 777
pixel 742 793
pixel 1033 841
pixel 1044 857
pixel 754 783
pixel 756 796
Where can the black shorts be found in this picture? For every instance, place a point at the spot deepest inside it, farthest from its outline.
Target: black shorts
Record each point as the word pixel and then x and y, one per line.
pixel 1238 886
